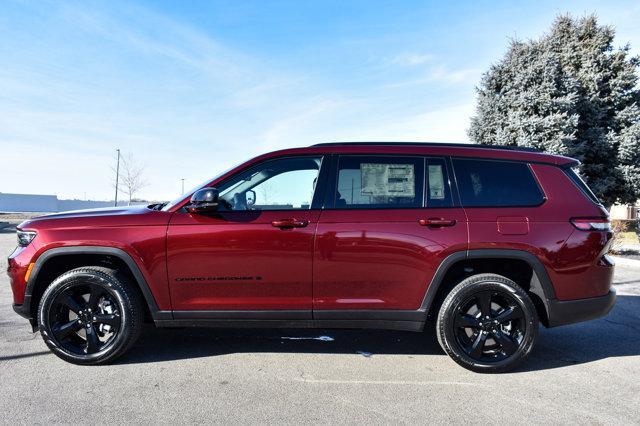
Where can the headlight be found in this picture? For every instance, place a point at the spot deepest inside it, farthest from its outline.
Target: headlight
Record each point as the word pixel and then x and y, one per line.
pixel 25 237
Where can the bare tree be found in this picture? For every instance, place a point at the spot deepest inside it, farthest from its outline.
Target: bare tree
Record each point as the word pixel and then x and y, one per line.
pixel 131 176
pixel 266 191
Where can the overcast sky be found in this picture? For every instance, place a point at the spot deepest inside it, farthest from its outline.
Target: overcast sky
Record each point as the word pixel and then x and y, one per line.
pixel 191 88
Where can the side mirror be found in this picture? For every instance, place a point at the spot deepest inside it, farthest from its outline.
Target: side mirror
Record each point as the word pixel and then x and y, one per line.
pixel 203 200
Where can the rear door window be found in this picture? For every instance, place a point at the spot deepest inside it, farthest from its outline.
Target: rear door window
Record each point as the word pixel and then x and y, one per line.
pixel 494 183
pixel 379 182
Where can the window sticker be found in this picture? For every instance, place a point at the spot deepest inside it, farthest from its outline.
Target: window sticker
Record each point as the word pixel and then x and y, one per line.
pixel 396 180
pixel 436 182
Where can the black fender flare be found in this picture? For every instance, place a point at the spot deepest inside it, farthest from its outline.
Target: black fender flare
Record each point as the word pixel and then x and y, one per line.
pixel 541 284
pixel 150 300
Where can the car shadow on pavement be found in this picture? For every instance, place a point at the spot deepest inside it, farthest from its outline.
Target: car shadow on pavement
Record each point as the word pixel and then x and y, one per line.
pixel 616 335
pixel 171 344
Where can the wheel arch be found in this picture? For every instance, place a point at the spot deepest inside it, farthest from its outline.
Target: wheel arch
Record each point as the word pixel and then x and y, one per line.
pixel 457 266
pixel 61 259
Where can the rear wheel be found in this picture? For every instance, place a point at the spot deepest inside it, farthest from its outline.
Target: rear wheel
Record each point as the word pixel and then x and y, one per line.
pixel 487 324
pixel 90 315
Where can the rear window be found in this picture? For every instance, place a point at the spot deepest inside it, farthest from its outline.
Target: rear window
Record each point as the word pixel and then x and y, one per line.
pixel 490 183
pixel 577 180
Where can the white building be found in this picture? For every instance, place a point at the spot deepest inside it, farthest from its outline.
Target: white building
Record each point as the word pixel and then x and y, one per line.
pixel 625 211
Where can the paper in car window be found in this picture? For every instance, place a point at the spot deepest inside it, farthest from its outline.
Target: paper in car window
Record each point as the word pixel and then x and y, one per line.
pixel 436 182
pixel 396 180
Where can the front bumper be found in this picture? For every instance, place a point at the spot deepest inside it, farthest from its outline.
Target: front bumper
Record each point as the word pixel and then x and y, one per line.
pixel 572 311
pixel 24 311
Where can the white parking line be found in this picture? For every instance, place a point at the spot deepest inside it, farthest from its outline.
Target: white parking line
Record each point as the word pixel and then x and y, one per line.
pixel 386 382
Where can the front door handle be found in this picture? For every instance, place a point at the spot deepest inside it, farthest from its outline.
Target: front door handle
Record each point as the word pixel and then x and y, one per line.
pixel 289 223
pixel 436 222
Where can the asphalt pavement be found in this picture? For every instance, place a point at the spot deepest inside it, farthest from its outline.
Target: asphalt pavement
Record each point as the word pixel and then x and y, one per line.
pixel 583 373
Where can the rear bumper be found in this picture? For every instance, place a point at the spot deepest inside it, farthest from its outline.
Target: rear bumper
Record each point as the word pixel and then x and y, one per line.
pixel 572 311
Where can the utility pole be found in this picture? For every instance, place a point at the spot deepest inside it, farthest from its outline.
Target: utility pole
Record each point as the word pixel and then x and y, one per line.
pixel 117 176
pixel 182 186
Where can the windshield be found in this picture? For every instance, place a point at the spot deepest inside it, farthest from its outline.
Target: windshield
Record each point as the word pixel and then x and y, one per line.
pixel 173 203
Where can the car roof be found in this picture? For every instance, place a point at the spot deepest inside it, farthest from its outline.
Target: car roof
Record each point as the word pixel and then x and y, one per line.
pixel 432 148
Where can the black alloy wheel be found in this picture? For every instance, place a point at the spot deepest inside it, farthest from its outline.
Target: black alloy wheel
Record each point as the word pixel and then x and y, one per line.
pixel 490 326
pixel 85 319
pixel 90 315
pixel 487 323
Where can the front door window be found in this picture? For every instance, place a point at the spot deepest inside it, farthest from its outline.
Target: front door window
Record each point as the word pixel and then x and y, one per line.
pixel 283 184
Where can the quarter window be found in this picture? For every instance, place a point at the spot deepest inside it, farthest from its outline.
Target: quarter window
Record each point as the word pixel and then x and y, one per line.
pixel 438 186
pixel 379 182
pixel 489 183
pixel 580 183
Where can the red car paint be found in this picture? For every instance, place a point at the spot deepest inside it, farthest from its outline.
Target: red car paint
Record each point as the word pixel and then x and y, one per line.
pixel 377 259
pixel 391 258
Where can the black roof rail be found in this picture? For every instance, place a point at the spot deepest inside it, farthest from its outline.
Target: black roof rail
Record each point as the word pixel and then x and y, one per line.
pixel 436 144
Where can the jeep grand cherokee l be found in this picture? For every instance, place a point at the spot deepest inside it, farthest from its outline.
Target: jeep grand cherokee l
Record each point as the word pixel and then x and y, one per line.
pixel 487 242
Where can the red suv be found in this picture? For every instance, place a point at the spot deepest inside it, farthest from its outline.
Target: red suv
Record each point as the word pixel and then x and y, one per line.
pixel 485 241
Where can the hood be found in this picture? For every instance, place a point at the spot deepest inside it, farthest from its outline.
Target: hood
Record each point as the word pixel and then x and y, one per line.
pixel 104 211
pixel 109 216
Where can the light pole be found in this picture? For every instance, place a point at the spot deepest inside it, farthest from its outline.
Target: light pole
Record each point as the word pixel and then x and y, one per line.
pixel 182 186
pixel 117 177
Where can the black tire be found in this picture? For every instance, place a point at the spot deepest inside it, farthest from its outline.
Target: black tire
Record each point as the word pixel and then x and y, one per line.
pixel 90 315
pixel 487 345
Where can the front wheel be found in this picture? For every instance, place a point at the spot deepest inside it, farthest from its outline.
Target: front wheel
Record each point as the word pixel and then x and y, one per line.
pixel 90 315
pixel 487 324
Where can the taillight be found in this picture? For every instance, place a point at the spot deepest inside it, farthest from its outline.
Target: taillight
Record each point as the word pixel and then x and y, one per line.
pixel 591 223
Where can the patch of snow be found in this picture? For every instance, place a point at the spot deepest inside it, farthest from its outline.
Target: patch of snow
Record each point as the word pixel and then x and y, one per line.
pixel 626 261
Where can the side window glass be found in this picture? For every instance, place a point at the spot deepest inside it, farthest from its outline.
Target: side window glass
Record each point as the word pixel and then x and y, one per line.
pixel 283 184
pixel 379 182
pixel 492 183
pixel 438 184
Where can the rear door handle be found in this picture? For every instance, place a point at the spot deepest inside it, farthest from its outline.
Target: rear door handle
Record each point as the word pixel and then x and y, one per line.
pixel 289 223
pixel 436 222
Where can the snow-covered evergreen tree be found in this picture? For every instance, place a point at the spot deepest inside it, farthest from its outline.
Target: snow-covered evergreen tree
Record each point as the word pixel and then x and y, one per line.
pixel 569 93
